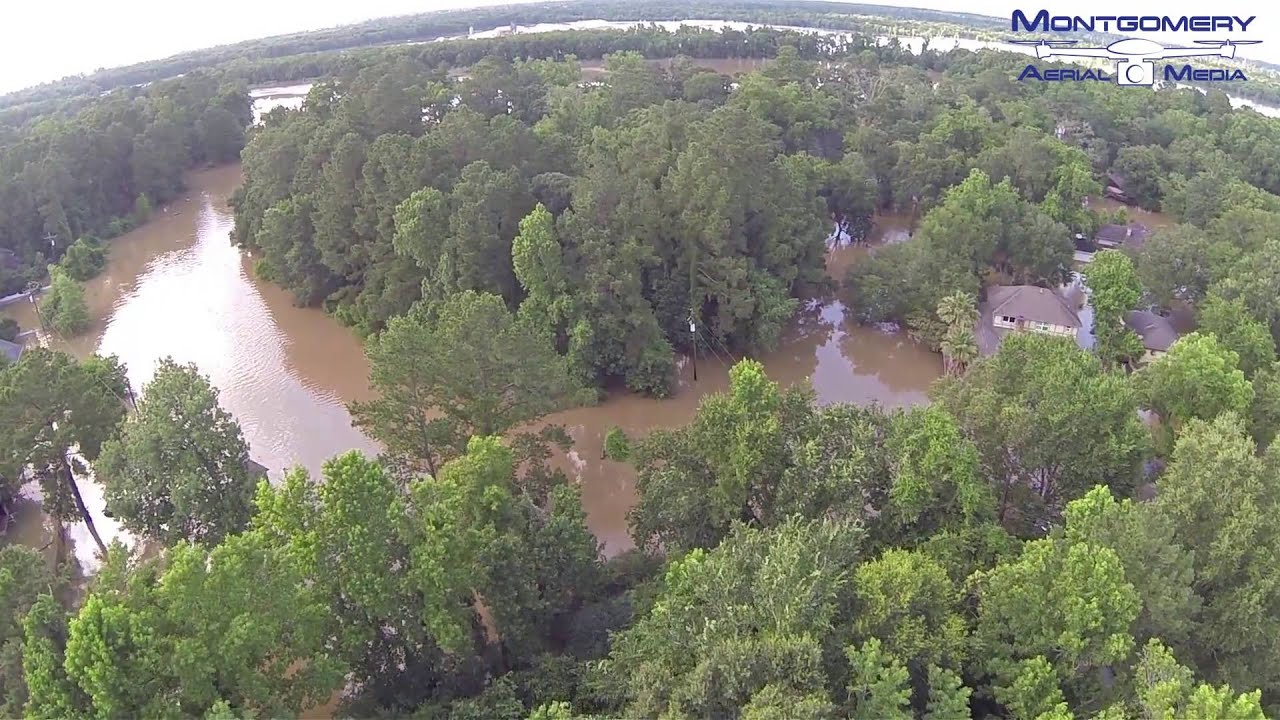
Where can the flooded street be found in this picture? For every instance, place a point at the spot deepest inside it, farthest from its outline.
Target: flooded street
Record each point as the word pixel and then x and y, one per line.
pixel 177 286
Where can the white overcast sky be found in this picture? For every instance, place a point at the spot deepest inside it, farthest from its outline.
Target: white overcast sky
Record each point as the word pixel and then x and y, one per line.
pixel 43 40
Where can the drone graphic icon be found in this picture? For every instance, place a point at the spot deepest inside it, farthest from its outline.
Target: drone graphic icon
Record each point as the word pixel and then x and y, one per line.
pixel 1134 56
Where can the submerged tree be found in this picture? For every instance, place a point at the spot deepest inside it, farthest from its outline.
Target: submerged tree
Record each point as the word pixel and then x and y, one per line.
pixel 471 369
pixel 756 454
pixel 63 306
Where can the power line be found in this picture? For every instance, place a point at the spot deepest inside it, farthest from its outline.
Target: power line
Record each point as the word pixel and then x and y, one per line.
pixel 713 349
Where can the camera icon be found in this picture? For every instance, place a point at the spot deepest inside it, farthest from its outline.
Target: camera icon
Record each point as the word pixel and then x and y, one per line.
pixel 1135 73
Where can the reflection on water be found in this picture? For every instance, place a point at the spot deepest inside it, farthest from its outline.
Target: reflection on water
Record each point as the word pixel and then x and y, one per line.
pixel 178 287
pixel 886 229
pixel 264 100
pixel 845 363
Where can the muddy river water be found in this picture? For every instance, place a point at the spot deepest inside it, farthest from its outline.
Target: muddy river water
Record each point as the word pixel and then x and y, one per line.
pixel 178 287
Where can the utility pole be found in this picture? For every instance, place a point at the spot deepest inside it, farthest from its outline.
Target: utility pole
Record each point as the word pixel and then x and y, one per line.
pixel 693 338
pixel 31 295
pixel 693 304
pixel 128 388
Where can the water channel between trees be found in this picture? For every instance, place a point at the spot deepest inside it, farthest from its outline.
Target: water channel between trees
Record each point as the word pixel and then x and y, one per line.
pixel 176 286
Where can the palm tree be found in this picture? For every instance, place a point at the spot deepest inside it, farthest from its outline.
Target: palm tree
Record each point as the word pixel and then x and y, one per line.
pixel 959 345
pixel 958 310
pixel 959 350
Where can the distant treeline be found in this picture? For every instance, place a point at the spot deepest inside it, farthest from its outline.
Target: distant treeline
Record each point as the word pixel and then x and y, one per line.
pixel 430 26
pixel 320 53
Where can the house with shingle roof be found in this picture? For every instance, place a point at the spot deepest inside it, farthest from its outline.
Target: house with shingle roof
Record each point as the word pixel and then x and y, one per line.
pixel 1024 308
pixel 1155 331
pixel 1115 188
pixel 1112 237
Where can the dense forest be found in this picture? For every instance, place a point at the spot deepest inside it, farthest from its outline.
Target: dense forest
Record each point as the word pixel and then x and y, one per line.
pixel 98 172
pixel 795 561
pixel 1062 533
pixel 334 195
pixel 609 216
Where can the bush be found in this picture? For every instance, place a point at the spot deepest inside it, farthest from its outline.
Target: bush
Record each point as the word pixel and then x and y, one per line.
pixel 142 210
pixel 616 445
pixel 84 259
pixel 64 306
pixel 263 270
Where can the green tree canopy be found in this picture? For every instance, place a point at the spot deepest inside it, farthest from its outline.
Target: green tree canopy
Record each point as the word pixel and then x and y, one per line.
pixel 1048 423
pixel 84 259
pixel 755 454
pixel 471 368
pixel 755 614
pixel 1217 497
pixel 63 306
pixel 50 405
pixel 1197 378
pixel 235 625
pixel 24 579
pixel 1237 330
pixel 1165 688
pixel 467 572
pixel 1114 290
pixel 179 468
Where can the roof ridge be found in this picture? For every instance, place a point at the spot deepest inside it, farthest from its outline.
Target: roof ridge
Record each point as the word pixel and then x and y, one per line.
pixel 1017 291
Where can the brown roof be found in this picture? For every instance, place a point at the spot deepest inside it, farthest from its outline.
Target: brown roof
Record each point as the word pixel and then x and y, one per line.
pixel 1028 302
pixel 1157 332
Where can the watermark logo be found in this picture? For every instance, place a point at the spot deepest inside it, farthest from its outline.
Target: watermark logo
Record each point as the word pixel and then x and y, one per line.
pixel 1135 57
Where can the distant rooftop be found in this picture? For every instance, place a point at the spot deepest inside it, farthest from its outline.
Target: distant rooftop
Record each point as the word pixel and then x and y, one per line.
pixel 255 469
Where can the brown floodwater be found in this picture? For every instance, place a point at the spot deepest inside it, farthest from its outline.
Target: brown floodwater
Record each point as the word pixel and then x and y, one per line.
pixel 177 286
pixel 887 229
